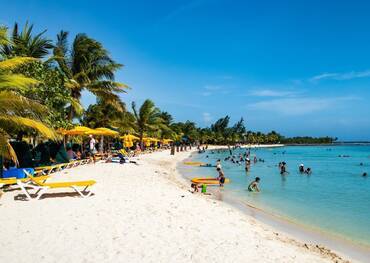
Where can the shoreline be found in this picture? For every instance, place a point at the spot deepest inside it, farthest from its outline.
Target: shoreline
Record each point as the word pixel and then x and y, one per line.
pixel 141 213
pixel 250 211
pixel 298 231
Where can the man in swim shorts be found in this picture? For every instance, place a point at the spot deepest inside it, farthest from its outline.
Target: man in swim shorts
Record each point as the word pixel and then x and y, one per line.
pixel 253 186
pixel 221 177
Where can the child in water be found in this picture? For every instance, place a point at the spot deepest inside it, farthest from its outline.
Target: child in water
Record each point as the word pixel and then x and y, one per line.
pixel 253 186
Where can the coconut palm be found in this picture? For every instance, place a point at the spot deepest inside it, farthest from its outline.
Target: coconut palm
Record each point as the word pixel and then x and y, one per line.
pixel 147 119
pixel 17 112
pixel 87 65
pixel 25 44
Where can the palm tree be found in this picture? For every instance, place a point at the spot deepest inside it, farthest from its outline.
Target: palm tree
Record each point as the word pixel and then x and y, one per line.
pixel 24 44
pixel 16 111
pixel 87 65
pixel 147 119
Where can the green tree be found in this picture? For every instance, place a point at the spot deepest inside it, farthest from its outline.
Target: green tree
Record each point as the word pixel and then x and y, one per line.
pixel 221 128
pixel 50 92
pixel 17 112
pixel 87 65
pixel 102 114
pixel 147 119
pixel 24 44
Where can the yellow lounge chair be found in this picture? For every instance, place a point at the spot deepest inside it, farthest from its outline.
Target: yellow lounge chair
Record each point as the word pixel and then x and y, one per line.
pixel 13 180
pixel 41 187
pixel 46 170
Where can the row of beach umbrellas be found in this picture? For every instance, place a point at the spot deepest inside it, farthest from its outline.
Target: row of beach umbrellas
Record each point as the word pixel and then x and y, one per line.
pixel 128 139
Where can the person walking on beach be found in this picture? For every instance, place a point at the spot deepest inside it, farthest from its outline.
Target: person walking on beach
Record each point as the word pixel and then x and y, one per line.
pixel 92 143
pixel 253 186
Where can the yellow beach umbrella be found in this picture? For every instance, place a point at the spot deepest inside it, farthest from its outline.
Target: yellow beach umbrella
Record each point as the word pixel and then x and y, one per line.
pixel 105 132
pixel 79 130
pixel 62 131
pixel 166 141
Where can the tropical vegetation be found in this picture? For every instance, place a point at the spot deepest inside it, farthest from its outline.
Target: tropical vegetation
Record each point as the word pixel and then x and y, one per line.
pixel 42 82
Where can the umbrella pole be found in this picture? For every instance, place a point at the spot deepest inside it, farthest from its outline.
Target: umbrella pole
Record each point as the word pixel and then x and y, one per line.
pixel 101 144
pixel 82 145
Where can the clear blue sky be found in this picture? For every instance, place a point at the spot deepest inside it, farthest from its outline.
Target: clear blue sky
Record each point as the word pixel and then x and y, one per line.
pixel 297 67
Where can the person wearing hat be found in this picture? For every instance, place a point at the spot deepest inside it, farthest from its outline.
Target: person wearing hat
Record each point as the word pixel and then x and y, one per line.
pixel 301 168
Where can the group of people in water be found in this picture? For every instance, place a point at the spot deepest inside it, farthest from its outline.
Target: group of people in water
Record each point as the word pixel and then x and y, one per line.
pixel 247 159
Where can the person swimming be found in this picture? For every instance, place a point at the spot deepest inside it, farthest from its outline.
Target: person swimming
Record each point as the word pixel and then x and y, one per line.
pixel 308 171
pixel 301 168
pixel 253 186
pixel 364 174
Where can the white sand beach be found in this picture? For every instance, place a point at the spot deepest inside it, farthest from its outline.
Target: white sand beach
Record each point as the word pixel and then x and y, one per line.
pixel 139 213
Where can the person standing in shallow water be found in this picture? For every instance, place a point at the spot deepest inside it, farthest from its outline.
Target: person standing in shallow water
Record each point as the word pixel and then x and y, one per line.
pixel 221 177
pixel 283 168
pixel 218 164
pixel 247 164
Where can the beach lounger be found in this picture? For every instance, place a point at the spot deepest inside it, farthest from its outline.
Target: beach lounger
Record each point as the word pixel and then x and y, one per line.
pixel 41 187
pixel 47 170
pixel 13 180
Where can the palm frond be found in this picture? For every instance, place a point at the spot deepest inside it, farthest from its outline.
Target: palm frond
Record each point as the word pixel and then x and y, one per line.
pixel 108 86
pixel 3 36
pixel 13 63
pixel 15 82
pixel 30 123
pixel 6 150
pixel 76 105
pixel 12 103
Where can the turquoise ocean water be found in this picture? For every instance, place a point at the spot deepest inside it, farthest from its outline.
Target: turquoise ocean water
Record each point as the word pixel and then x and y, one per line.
pixel 334 199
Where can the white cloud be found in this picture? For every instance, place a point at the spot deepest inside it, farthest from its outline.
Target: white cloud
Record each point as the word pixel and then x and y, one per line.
pixel 207 118
pixel 212 87
pixel 209 90
pixel 188 6
pixel 341 76
pixel 272 93
pixel 299 106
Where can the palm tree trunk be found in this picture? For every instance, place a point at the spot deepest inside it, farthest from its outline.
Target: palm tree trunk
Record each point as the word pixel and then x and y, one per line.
pixel 1 166
pixel 101 147
pixel 70 113
pixel 141 140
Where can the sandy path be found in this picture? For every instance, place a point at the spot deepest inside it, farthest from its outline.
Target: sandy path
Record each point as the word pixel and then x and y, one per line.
pixel 138 214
